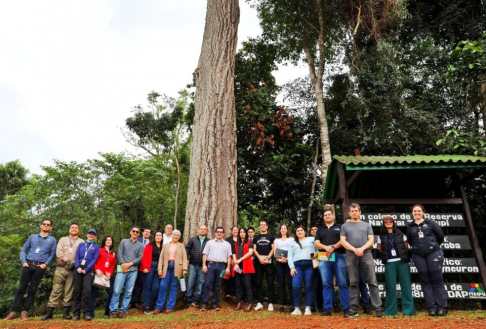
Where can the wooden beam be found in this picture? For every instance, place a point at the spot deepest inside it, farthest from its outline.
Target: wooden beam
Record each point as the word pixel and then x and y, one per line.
pixel 343 188
pixel 478 254
pixel 353 177
pixel 410 202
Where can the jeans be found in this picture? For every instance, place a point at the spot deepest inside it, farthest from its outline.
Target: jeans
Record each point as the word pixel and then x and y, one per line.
pixel 284 279
pixel 123 279
pixel 29 278
pixel 212 279
pixel 195 283
pixel 328 270
pixel 305 273
pixel 170 282
pixel 401 271
pixel 353 264
pixel 429 268
pixel 269 272
pixel 363 290
pixel 151 285
pixel 82 292
pixel 94 295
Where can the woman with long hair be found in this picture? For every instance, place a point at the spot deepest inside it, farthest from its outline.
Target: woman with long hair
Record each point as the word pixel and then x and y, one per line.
pixel 393 246
pixel 148 267
pixel 301 253
pixel 243 268
pixel 425 236
pixel 172 263
pixel 280 250
pixel 105 265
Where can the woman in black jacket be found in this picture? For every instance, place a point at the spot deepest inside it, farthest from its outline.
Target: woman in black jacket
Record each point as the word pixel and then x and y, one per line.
pixel 393 247
pixel 425 236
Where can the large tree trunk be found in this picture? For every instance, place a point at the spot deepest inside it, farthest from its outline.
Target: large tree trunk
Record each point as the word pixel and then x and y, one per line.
pixel 211 196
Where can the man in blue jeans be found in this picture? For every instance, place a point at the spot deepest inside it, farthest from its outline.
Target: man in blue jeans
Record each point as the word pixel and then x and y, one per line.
pixel 328 242
pixel 357 237
pixel 194 249
pixel 129 256
pixel 216 261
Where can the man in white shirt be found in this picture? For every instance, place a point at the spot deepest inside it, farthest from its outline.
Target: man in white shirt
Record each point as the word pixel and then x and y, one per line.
pixel 167 236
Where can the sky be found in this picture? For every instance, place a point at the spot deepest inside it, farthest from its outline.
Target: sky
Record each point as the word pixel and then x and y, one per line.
pixel 71 71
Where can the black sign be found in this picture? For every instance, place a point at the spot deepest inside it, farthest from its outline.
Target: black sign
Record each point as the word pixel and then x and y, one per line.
pixel 402 219
pixel 454 290
pixel 451 265
pixel 451 242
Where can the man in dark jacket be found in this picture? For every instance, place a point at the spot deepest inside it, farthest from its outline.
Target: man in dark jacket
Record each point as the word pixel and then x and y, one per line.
pixel 194 249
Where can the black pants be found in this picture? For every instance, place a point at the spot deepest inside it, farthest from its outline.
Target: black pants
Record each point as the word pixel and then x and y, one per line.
pixel 269 272
pixel 284 278
pixel 29 278
pixel 317 284
pixel 429 268
pixel 243 281
pixel 94 295
pixel 137 292
pixel 82 292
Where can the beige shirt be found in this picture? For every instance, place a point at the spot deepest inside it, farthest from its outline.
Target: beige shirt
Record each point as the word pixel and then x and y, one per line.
pixel 66 249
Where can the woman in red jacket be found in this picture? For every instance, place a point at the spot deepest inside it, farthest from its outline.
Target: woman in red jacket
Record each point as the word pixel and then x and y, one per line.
pixel 243 268
pixel 105 265
pixel 148 266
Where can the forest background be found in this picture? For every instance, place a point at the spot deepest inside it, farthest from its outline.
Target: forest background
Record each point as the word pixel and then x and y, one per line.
pixel 419 87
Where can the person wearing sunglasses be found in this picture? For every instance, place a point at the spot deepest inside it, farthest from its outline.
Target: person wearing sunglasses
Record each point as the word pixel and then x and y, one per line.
pixel 393 246
pixel 129 256
pixel 35 255
pixel 216 263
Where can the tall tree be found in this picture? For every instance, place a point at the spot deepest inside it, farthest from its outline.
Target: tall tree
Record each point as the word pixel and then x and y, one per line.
pixel 13 176
pixel 212 197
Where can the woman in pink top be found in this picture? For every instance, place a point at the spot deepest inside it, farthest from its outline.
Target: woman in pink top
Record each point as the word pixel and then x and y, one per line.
pixel 172 263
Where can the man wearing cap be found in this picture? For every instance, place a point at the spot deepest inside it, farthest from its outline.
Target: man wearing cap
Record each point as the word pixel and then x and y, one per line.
pixel 129 256
pixel 84 261
pixel 35 255
pixel 357 237
pixel 328 242
pixel 63 277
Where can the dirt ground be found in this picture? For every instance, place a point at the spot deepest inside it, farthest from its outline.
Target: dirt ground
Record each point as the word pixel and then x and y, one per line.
pixel 228 318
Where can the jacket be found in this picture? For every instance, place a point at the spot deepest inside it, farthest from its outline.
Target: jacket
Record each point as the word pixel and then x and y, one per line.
pixel 146 262
pixel 194 250
pixel 101 262
pixel 248 267
pixel 401 248
pixel 433 237
pixel 180 259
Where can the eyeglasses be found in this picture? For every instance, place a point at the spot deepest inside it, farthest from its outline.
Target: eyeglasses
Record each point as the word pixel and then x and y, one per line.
pixel 388 221
pixel 135 231
pixel 46 224
pixel 263 224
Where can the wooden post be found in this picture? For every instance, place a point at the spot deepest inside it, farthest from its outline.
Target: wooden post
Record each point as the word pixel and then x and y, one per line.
pixel 343 189
pixel 478 254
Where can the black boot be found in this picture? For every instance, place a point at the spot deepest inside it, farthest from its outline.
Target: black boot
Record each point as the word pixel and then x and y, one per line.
pixel 48 316
pixel 65 313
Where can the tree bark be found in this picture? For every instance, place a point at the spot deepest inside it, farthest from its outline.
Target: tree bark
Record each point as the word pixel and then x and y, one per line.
pixel 211 197
pixel 313 189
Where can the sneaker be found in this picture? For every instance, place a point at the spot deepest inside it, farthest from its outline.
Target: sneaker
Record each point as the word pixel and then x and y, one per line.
pixel 326 312
pixel 291 309
pixel 112 315
pixel 270 307
pixel 296 312
pixel 308 311
pixel 148 310
pixel 281 309
pixel 379 314
pixel 196 304
pixel 348 314
pixel 258 307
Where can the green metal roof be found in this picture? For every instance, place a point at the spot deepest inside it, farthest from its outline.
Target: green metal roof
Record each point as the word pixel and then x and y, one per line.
pixel 411 162
pixel 380 178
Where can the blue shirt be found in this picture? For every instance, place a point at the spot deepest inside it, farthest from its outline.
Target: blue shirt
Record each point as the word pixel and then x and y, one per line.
pixel 296 253
pixel 91 256
pixel 46 253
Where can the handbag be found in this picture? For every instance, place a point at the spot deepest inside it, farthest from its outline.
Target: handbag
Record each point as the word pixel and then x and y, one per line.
pixel 315 262
pixel 101 282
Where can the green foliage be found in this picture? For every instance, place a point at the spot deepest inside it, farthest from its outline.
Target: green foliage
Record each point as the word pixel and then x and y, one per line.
pixel 13 176
pixel 472 142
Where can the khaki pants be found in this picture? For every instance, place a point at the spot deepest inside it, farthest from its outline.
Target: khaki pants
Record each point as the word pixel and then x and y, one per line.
pixel 63 281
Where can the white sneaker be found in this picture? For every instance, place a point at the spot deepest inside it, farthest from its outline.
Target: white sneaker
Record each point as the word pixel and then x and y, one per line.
pixel 270 307
pixel 307 311
pixel 258 307
pixel 296 312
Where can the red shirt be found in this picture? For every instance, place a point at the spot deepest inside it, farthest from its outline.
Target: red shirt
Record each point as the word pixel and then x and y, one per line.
pixel 103 258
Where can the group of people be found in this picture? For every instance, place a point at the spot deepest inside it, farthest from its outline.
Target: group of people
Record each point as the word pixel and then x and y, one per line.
pixel 157 268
